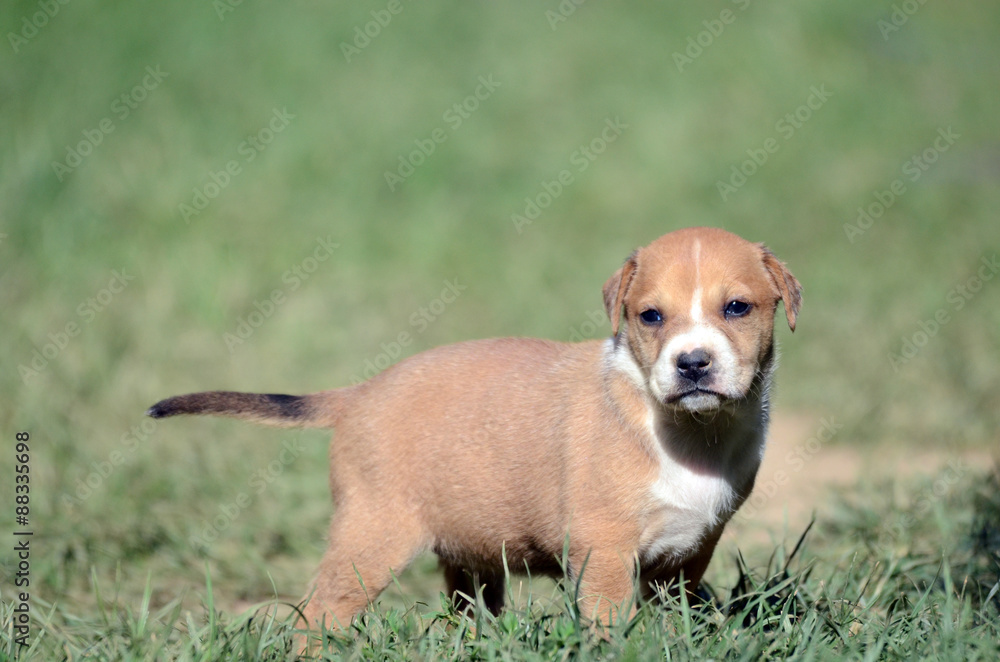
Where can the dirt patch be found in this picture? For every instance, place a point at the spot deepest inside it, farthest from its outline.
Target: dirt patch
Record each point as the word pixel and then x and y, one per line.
pixel 807 457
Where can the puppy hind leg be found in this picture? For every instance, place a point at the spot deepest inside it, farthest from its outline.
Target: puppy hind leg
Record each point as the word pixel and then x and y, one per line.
pixel 359 563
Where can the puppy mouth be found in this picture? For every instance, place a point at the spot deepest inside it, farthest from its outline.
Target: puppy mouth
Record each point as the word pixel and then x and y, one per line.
pixel 696 391
pixel 698 401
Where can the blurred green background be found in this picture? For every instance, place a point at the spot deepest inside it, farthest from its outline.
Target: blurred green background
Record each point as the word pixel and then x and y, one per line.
pixel 349 106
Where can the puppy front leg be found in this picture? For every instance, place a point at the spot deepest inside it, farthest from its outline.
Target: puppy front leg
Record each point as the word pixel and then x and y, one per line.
pixel 606 587
pixel 691 571
pixel 694 568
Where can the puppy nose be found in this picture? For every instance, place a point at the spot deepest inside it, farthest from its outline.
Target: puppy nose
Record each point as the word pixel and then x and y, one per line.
pixel 694 365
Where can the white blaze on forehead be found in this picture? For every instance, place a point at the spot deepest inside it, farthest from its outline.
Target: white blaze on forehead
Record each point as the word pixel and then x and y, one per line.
pixel 696 313
pixel 701 335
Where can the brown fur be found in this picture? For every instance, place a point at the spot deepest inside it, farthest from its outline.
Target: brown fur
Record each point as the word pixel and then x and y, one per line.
pixel 501 448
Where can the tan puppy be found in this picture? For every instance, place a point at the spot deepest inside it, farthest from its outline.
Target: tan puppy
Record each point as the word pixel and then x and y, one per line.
pixel 639 448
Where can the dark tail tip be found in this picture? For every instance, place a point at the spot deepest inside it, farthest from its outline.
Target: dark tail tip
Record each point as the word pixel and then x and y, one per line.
pixel 161 409
pixel 268 408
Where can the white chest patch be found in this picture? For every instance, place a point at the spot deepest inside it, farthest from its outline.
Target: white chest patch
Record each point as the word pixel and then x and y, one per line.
pixel 685 507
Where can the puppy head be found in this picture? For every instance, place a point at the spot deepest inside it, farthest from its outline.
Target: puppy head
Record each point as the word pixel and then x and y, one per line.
pixel 699 310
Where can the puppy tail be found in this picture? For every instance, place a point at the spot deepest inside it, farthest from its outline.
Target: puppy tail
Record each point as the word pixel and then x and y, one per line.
pixel 318 410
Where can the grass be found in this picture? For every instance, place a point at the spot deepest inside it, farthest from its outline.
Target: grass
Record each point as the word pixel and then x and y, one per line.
pixel 834 595
pixel 138 509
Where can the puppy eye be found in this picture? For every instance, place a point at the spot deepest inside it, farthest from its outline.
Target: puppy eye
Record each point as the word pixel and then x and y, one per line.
pixel 651 317
pixel 737 308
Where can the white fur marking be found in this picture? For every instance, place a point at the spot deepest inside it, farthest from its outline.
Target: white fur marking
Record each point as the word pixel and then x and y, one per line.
pixel 696 312
pixel 730 379
pixel 620 358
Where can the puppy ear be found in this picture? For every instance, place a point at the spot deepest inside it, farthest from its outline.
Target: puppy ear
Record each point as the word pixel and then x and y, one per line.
pixel 788 288
pixel 615 290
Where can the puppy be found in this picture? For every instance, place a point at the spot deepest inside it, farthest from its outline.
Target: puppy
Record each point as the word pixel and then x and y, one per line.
pixel 633 451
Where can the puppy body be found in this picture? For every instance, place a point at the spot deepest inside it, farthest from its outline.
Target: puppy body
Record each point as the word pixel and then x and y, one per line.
pixel 636 449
